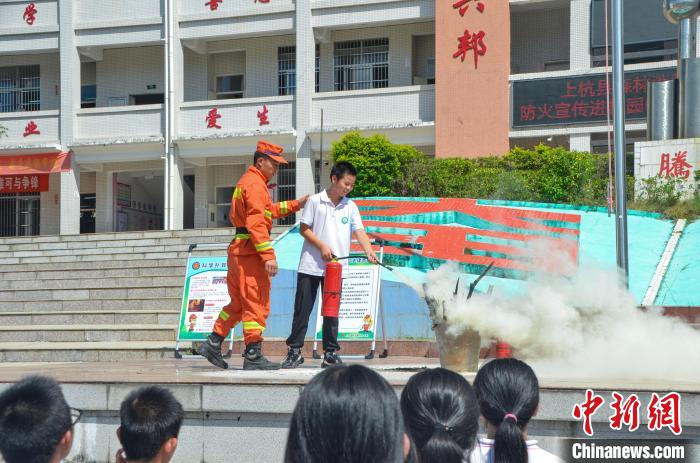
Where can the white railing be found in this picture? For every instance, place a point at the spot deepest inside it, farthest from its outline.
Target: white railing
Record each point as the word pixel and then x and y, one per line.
pixel 383 106
pixel 106 13
pixel 120 122
pixel 199 118
pixel 217 8
pixel 32 127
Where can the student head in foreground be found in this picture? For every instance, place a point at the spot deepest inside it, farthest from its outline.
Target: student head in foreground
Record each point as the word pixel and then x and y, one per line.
pixel 36 423
pixel 150 423
pixel 509 394
pixel 441 415
pixel 347 414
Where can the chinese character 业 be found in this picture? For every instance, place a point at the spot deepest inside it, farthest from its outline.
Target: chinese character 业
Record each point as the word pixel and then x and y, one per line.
pixel 676 167
pixel 463 6
pixel 211 119
pixel 30 12
pixel 31 129
pixel 262 116
pixel 587 409
pixel 474 42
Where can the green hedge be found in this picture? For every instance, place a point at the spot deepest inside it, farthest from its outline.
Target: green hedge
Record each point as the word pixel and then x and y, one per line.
pixel 543 174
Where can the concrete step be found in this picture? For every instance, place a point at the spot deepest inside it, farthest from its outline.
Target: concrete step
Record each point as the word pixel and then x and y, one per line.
pixel 113 271
pixel 85 351
pixel 194 236
pixel 49 305
pixel 118 235
pixel 90 283
pixel 13 261
pixel 91 317
pixel 137 247
pixel 91 294
pixel 86 333
pixel 124 263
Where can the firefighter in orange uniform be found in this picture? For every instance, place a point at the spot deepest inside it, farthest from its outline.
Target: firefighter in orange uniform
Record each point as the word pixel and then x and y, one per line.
pixel 251 260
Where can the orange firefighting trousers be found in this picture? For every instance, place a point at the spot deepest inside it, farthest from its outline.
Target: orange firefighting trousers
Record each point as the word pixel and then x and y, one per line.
pixel 249 288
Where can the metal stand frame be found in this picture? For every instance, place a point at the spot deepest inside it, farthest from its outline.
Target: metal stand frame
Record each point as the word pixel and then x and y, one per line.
pixel 193 353
pixel 385 353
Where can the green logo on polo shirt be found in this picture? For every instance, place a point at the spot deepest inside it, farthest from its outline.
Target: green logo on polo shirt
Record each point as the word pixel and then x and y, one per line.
pixel 344 220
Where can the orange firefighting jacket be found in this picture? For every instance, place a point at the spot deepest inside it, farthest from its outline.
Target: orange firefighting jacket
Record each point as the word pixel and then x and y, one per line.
pixel 252 209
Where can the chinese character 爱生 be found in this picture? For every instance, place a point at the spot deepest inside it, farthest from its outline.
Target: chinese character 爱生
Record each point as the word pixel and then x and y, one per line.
pixel 211 119
pixel 262 116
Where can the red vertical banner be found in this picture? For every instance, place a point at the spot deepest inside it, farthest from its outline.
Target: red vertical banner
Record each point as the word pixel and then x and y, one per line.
pixel 472 58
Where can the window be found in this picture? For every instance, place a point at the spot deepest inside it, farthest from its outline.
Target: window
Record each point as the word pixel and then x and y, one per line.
pixel 286 186
pixel 287 69
pixel 318 67
pixel 20 89
pixel 88 96
pixel 362 64
pixel 229 87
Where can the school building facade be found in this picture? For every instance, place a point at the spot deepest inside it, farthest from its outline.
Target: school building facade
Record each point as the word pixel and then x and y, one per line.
pixel 120 115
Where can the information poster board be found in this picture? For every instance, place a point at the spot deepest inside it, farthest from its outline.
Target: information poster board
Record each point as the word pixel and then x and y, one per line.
pixel 359 302
pixel 204 296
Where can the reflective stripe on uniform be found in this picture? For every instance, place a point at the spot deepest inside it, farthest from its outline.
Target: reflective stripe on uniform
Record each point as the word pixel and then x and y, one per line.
pixel 223 315
pixel 283 207
pixel 242 236
pixel 238 193
pixel 268 214
pixel 252 326
pixel 263 246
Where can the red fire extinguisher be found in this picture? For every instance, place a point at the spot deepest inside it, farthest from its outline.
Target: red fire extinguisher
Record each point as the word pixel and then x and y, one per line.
pixel 332 285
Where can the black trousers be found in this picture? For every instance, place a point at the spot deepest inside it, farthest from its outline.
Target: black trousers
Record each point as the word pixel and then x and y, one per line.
pixel 307 289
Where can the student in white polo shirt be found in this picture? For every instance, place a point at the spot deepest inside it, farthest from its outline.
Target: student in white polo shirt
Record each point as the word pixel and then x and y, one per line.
pixel 328 223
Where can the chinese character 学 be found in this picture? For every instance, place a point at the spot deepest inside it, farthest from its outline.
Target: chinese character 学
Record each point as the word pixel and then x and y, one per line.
pixel 262 116
pixel 31 129
pixel 211 119
pixel 471 41
pixel 676 167
pixel 213 4
pixel 30 14
pixel 463 6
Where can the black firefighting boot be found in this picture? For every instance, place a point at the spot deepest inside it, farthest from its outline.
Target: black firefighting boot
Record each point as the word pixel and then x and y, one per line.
pixel 211 350
pixel 255 360
pixel 294 358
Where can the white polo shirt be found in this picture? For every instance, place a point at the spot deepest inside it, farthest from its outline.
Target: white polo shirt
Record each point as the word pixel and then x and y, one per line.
pixel 333 225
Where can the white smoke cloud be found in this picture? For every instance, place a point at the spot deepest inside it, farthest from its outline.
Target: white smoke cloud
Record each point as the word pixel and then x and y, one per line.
pixel 586 325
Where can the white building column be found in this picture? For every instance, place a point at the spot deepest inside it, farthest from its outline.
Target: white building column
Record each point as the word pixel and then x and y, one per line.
pixel 580 34
pixel 69 189
pixel 580 142
pixel 104 202
pixel 305 73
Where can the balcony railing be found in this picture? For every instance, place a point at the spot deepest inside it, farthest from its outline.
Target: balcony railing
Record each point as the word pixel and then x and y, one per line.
pixel 28 128
pixel 126 123
pixel 381 107
pixel 110 14
pixel 248 115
